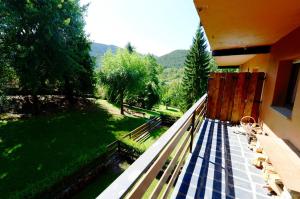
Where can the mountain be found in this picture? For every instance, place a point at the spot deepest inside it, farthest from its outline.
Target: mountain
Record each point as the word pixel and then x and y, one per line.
pixel 98 50
pixel 175 59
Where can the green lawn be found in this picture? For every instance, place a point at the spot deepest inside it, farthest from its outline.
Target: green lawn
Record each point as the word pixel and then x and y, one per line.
pixel 102 181
pixel 111 173
pixel 37 152
pixel 143 146
pixel 170 111
pixel 158 110
pixel 154 135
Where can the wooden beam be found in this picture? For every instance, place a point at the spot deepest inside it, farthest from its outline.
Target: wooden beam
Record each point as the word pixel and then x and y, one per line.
pixel 228 67
pixel 242 51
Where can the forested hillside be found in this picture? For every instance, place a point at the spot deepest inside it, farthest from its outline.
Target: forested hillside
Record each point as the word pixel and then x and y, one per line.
pixel 98 50
pixel 174 59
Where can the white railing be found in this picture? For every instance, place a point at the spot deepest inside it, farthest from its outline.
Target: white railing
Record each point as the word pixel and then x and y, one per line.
pixel 167 154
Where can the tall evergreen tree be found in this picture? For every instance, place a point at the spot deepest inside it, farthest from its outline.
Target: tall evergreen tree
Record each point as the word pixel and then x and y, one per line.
pixel 196 69
pixel 130 47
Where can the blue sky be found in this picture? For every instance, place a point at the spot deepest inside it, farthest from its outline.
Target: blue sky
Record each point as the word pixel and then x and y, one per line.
pixel 152 26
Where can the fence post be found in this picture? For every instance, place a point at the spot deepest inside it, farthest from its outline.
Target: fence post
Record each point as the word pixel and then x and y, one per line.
pixel 192 131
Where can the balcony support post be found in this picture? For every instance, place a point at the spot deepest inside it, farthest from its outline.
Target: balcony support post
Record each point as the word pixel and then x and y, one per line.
pixel 192 131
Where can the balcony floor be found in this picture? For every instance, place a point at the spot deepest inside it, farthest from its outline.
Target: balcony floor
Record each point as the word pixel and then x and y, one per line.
pixel 220 166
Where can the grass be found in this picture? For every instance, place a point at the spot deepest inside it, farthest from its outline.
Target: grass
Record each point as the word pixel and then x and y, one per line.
pixel 152 187
pixel 154 135
pixel 35 153
pixel 142 147
pixel 102 182
pixel 174 112
pixel 110 174
pixel 158 110
pixel 148 113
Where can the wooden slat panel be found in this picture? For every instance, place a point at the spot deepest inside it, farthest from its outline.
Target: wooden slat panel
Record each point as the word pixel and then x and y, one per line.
pixel 210 95
pixel 145 181
pixel 220 94
pixel 239 100
pixel 213 95
pixel 170 167
pixel 234 77
pixel 175 173
pixel 225 101
pixel 245 94
pixel 235 96
pixel 251 93
pixel 257 97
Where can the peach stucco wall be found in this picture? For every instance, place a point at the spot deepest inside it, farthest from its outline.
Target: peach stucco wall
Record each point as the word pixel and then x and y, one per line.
pixel 288 48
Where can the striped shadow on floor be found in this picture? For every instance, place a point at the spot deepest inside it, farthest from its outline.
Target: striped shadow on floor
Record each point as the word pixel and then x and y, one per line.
pixel 220 166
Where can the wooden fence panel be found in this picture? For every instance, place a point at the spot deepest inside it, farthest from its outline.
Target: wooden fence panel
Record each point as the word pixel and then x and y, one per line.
pixel 226 100
pixel 257 97
pixel 209 94
pixel 220 94
pixel 213 84
pixel 245 94
pixel 250 94
pixel 239 97
pixel 234 95
pixel 234 77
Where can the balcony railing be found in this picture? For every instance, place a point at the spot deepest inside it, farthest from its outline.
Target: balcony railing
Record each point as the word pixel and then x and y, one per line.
pixel 165 157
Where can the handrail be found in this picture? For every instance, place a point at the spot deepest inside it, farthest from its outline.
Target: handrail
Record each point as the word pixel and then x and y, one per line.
pixel 135 180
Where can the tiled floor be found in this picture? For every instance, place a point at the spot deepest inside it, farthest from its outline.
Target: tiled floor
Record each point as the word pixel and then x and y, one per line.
pixel 220 166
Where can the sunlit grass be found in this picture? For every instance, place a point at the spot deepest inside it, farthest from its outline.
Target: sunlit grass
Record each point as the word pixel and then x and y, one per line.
pixel 162 109
pixel 102 182
pixel 37 152
pixel 109 174
pixel 143 146
pixel 159 110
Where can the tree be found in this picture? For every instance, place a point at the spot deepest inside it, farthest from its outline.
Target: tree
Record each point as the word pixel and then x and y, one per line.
pixel 47 46
pixel 171 94
pixel 6 77
pixel 197 66
pixel 123 74
pixel 150 95
pixel 130 47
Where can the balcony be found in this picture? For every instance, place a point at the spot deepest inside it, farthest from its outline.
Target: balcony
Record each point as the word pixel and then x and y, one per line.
pixel 197 157
pixel 220 166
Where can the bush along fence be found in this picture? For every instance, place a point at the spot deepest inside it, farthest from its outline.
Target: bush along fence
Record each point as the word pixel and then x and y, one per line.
pixel 74 183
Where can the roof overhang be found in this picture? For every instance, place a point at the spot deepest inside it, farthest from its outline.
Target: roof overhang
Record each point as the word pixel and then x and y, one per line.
pixel 234 25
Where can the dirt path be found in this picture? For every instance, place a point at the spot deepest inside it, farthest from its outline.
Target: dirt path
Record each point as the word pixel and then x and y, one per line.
pixel 109 107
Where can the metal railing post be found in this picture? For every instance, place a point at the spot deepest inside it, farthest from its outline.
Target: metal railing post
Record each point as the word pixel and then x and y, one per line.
pixel 192 131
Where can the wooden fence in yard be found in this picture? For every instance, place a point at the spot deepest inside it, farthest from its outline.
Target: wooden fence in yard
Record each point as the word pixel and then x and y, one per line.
pixel 142 132
pixel 234 95
pixel 139 134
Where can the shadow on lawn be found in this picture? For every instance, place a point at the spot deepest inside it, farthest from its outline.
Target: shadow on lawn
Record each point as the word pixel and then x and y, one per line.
pixel 37 152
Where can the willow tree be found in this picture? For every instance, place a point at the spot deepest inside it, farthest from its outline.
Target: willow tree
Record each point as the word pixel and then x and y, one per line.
pixel 197 66
pixel 123 74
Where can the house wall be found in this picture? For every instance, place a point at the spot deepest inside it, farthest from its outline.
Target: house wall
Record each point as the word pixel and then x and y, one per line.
pixel 288 48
